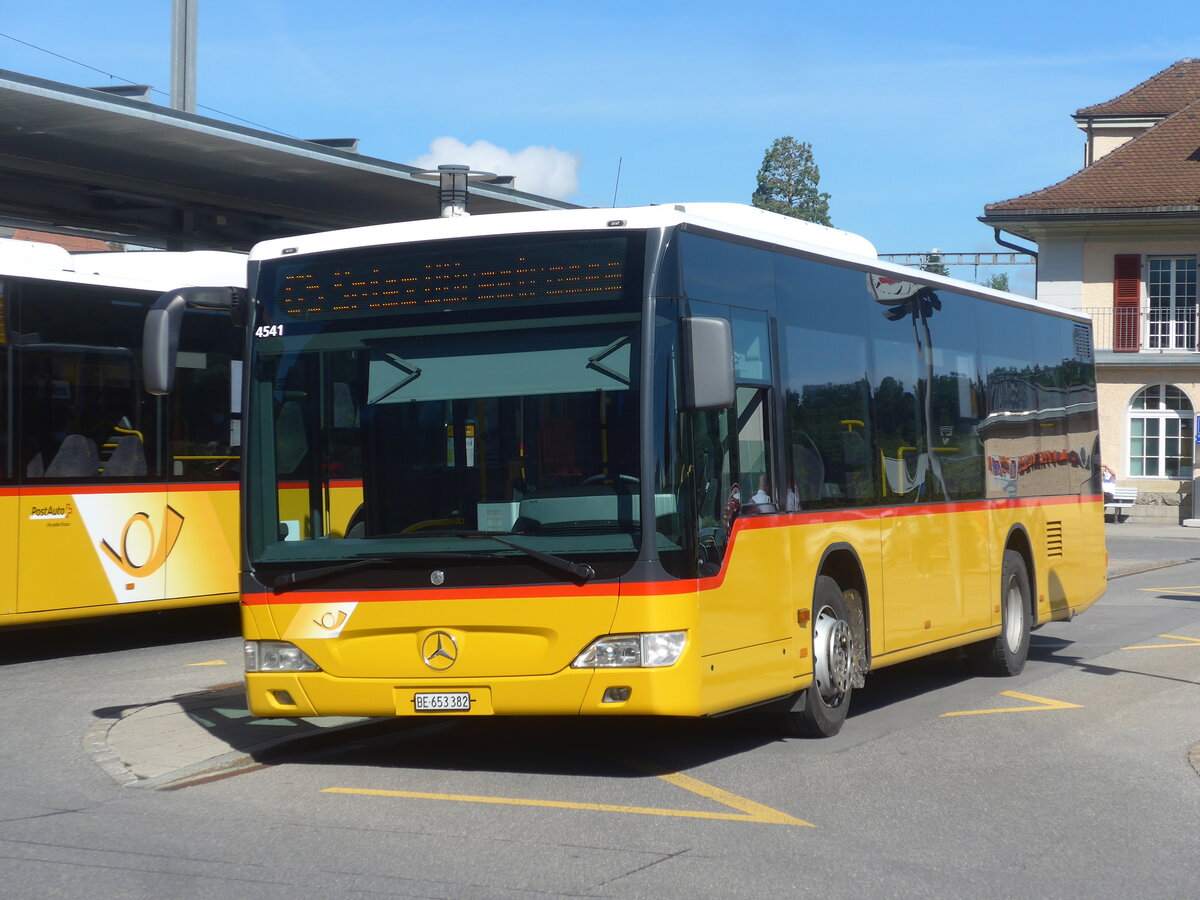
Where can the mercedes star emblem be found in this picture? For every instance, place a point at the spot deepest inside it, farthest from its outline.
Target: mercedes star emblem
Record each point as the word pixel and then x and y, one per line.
pixel 439 651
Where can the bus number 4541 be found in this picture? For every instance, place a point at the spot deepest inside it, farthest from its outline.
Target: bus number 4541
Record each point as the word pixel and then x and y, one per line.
pixel 268 331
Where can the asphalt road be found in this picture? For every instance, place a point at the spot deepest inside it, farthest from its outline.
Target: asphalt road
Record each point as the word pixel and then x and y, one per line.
pixel 1071 780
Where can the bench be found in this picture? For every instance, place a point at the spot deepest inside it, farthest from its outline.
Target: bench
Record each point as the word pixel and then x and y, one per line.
pixel 1117 499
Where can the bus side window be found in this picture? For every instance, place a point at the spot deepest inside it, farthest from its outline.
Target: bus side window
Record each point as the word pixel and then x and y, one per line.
pixel 75 404
pixel 731 449
pixel 713 451
pixel 754 449
pixel 205 426
pixel 6 419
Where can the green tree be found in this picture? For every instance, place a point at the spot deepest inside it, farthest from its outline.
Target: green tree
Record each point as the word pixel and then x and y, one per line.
pixel 787 182
pixel 997 281
pixel 933 263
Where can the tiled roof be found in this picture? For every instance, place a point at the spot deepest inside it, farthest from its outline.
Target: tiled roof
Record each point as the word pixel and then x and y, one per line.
pixel 1165 93
pixel 1159 168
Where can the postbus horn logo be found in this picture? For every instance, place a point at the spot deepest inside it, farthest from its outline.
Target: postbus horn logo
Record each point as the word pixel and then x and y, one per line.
pixel 160 549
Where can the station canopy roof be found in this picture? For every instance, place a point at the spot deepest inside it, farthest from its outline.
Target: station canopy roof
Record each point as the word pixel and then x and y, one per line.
pixel 88 162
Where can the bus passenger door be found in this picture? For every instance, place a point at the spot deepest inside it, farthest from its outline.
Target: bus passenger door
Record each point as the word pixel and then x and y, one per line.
pixel 200 516
pixel 734 458
pixel 921 583
pixel 9 497
pixel 936 548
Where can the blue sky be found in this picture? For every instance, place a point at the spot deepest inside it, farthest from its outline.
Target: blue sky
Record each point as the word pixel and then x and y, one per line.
pixel 918 113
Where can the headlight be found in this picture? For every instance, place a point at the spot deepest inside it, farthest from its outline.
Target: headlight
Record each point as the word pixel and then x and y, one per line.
pixel 277 656
pixel 632 651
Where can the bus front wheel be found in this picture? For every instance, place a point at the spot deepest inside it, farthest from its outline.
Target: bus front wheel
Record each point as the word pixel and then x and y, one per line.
pixel 1006 653
pixel 821 709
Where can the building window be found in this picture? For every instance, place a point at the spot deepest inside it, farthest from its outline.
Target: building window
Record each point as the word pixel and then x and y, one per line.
pixel 1171 292
pixel 1160 433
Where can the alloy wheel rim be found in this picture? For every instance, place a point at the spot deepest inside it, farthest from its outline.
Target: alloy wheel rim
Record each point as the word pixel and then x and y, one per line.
pixel 1014 604
pixel 832 656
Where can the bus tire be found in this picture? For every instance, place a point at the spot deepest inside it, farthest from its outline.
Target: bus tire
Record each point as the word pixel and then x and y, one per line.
pixel 1006 653
pixel 820 710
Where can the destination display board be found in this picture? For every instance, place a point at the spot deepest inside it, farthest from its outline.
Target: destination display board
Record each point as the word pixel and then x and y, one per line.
pixel 441 275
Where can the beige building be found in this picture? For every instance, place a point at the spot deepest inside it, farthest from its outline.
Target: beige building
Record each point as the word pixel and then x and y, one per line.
pixel 1119 239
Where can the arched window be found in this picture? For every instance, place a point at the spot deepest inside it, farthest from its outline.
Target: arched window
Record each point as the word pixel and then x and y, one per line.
pixel 1160 433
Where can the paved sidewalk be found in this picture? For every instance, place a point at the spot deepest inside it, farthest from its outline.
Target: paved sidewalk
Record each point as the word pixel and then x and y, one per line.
pixel 195 735
pixel 1143 548
pixel 201 735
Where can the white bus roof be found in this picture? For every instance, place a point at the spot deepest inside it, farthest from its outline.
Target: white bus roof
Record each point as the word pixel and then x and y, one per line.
pixel 735 219
pixel 150 270
pixel 731 218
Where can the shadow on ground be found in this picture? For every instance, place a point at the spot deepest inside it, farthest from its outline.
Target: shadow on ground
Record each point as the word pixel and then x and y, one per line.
pixel 114 634
pixel 584 746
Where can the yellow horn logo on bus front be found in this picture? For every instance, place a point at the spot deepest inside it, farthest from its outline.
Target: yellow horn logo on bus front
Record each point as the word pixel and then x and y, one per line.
pixel 160 550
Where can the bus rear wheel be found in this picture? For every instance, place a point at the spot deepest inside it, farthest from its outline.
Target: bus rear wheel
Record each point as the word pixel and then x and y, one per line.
pixel 1006 653
pixel 820 710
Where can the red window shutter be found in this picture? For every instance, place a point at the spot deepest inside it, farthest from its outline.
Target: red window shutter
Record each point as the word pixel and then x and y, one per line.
pixel 1127 302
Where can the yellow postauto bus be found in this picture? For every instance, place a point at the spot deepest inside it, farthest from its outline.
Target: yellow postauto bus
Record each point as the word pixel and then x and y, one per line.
pixel 110 500
pixel 674 460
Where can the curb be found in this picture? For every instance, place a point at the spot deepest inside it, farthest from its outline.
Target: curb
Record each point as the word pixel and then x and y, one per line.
pixel 96 743
pixel 267 754
pixel 1136 568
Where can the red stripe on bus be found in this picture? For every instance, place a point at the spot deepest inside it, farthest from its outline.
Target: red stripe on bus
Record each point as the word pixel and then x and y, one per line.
pixel 653 588
pixel 414 595
pixel 63 490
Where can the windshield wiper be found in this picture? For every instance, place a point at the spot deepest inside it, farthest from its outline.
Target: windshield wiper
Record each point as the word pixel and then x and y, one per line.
pixel 582 571
pixel 295 579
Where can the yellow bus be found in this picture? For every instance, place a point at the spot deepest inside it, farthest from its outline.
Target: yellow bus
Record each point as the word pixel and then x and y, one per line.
pixel 112 501
pixel 675 460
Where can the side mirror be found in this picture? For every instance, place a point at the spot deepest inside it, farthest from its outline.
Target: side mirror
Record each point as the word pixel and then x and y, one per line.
pixel 708 376
pixel 160 333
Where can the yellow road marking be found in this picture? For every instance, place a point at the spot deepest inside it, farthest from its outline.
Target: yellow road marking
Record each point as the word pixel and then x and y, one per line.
pixel 1042 704
pixel 1182 591
pixel 211 662
pixel 1182 642
pixel 747 810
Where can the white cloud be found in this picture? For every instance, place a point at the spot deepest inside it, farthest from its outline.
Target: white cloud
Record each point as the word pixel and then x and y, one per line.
pixel 538 170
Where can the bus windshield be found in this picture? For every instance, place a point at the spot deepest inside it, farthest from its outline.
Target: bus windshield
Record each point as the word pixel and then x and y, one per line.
pixel 400 433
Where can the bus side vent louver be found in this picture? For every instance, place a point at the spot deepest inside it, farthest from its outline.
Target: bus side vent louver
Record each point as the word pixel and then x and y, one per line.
pixel 1054 539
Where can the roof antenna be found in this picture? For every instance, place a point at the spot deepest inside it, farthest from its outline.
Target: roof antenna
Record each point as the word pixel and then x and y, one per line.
pixel 620 159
